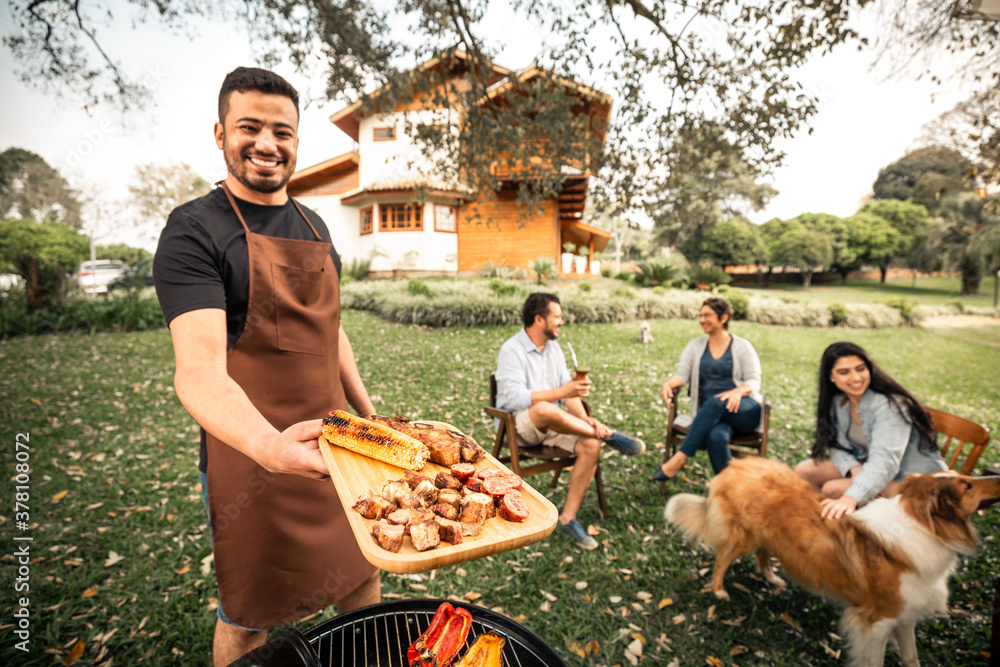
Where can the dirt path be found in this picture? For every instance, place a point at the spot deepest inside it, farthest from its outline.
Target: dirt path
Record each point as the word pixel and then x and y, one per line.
pixel 960 321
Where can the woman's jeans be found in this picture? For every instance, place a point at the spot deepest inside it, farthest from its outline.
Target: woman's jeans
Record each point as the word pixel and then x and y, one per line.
pixel 713 428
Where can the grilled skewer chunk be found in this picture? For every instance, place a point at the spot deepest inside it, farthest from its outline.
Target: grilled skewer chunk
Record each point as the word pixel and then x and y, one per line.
pixel 389 536
pixel 371 506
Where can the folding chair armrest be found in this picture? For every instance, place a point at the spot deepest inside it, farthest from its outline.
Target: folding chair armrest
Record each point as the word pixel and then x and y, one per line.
pixel 498 413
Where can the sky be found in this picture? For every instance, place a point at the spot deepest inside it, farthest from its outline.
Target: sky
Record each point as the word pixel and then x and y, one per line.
pixel 863 123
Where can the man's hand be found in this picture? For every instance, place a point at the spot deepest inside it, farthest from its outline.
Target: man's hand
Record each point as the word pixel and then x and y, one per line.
pixel 294 451
pixel 834 508
pixel 731 398
pixel 600 430
pixel 577 388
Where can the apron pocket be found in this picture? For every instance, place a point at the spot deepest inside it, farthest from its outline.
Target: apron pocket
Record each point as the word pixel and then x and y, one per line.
pixel 296 294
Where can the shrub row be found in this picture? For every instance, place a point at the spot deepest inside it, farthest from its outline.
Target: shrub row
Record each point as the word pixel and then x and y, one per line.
pixel 481 303
pixel 118 312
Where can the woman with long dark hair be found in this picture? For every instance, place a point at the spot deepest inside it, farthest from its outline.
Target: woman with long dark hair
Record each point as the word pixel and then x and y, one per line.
pixel 870 433
pixel 724 372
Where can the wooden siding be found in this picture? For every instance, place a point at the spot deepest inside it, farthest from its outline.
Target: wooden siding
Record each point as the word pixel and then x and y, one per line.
pixel 325 184
pixel 498 236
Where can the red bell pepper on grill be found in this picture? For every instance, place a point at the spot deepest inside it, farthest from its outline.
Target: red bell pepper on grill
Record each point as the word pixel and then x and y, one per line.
pixel 440 643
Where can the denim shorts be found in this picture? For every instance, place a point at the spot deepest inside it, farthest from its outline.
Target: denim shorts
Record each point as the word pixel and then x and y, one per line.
pixel 220 612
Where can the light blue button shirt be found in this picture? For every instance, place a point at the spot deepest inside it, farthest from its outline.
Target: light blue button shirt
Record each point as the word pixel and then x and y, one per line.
pixel 522 369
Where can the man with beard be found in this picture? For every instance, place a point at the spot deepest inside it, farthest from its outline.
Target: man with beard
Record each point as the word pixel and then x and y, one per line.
pixel 532 379
pixel 249 284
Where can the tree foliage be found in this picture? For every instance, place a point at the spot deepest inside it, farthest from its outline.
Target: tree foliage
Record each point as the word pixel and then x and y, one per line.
pixel 925 176
pixel 44 254
pixel 732 242
pixel 30 188
pixel 709 181
pixel 965 238
pixel 159 189
pixel 875 240
pixel 719 67
pixel 798 246
pixel 972 128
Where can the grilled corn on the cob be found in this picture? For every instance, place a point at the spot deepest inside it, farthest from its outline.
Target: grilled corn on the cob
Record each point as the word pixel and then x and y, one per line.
pixel 374 440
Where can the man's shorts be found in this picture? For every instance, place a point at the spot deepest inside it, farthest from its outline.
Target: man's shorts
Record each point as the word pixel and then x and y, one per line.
pixel 529 435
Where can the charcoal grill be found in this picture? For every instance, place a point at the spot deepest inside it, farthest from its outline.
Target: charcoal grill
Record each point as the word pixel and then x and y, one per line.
pixel 378 636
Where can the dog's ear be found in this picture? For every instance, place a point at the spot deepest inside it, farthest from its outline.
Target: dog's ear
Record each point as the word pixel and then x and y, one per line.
pixel 949 518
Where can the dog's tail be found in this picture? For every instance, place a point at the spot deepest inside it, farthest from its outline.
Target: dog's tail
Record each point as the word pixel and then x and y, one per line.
pixel 689 513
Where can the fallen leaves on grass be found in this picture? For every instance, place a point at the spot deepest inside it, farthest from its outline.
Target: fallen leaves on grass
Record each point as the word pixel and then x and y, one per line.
pixel 791 621
pixel 665 602
pixel 59 496
pixel 633 652
pixel 75 654
pixel 90 592
pixel 113 559
pixel 712 661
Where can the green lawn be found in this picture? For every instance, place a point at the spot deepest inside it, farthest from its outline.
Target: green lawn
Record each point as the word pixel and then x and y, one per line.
pixel 937 290
pixel 119 531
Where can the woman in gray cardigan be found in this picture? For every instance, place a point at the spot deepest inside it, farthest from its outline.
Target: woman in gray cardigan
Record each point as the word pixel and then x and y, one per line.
pixel 870 433
pixel 724 372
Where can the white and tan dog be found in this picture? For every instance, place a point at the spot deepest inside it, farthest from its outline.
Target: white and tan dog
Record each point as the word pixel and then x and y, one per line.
pixel 889 562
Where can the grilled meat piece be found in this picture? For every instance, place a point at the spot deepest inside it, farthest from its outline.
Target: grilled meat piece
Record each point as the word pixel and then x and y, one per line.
pixel 389 536
pixel 446 447
pixel 512 507
pixel 427 493
pixel 371 506
pixel 446 511
pixel 400 493
pixel 449 497
pixel 477 507
pixel 450 531
pixel 413 478
pixel 471 528
pixel 425 535
pixel 463 471
pixel 445 480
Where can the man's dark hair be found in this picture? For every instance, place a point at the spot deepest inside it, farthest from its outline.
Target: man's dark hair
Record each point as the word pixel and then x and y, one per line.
pixel 243 79
pixel 537 304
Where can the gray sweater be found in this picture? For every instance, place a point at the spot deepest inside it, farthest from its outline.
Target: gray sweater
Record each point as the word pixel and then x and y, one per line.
pixel 746 368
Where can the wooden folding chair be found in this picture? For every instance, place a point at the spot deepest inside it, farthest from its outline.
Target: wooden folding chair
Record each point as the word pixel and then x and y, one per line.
pixel 751 444
pixel 550 458
pixel 959 433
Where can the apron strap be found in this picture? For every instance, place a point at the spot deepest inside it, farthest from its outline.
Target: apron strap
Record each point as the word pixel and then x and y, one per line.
pixel 232 202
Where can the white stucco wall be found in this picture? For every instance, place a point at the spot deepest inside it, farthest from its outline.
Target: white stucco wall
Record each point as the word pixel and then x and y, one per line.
pixel 424 250
pixel 380 159
pixel 342 221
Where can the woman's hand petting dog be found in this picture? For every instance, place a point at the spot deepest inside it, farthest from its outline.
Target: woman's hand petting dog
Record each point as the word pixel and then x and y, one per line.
pixel 834 508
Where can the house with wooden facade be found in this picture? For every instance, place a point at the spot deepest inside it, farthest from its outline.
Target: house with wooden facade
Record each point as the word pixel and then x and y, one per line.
pixel 383 202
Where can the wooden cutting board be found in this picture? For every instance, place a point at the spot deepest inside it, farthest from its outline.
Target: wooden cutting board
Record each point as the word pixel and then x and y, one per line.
pixel 353 474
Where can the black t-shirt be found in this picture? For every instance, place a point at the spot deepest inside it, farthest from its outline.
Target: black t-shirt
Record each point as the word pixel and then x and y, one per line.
pixel 201 260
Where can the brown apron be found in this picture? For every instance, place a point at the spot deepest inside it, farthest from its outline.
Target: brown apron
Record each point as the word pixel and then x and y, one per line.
pixel 283 545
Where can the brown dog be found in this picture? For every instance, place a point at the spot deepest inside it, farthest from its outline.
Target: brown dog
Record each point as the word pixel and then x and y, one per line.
pixel 889 562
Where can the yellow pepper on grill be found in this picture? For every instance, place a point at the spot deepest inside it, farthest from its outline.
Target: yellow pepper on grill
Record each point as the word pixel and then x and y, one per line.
pixel 485 652
pixel 374 440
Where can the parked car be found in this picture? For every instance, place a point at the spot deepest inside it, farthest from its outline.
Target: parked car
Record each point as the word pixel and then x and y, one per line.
pixel 92 277
pixel 137 276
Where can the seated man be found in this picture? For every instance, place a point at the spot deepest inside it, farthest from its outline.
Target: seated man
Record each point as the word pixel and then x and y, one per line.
pixel 531 379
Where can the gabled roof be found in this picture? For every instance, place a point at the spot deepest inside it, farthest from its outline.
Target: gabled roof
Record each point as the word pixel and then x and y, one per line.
pixel 335 169
pixel 347 119
pixel 396 185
